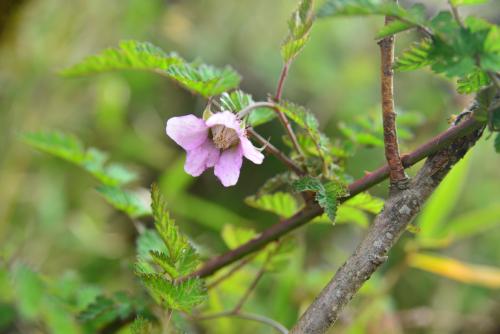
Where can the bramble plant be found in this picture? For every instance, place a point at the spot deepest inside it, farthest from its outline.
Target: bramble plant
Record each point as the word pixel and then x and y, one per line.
pixel 183 288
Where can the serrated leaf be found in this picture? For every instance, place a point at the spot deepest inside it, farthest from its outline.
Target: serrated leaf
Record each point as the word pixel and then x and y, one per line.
pixel 201 79
pixel 204 79
pixel 393 28
pixel 181 258
pixel 141 326
pixel 299 27
pixel 130 55
pixel 101 307
pixel 237 100
pixel 64 146
pixel 326 193
pixel 69 148
pixel 182 296
pixel 124 200
pixel 413 18
pixel 415 57
pixel 307 121
pixel 104 310
pixel 473 82
pixel 280 203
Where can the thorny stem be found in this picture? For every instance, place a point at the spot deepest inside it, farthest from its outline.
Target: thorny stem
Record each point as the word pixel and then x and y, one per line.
pixel 233 270
pixel 309 212
pixel 399 210
pixel 397 173
pixel 248 316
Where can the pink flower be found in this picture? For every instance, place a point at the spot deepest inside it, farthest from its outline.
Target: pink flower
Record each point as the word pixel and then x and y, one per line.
pixel 218 142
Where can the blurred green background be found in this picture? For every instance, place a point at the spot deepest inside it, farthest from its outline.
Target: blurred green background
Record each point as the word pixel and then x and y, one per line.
pixel 53 222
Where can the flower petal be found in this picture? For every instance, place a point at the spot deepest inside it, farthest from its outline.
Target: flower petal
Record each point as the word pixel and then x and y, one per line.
pixel 204 156
pixel 188 131
pixel 250 152
pixel 226 118
pixel 227 169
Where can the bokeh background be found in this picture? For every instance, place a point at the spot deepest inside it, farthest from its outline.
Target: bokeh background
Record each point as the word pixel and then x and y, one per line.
pixel 53 222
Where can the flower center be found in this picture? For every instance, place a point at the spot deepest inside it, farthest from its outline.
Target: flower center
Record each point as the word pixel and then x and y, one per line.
pixel 224 137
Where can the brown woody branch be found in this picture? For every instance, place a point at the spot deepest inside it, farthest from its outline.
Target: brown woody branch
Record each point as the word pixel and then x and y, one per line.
pixel 309 212
pixel 399 211
pixel 397 174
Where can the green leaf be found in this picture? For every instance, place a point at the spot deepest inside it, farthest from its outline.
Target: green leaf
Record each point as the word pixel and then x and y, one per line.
pixel 467 2
pixel 141 326
pixel 415 57
pixel 104 310
pixel 299 27
pixel 237 100
pixel 130 55
pixel 100 310
pixel 123 200
pixel 69 148
pixel 204 79
pixel 366 202
pixel 354 209
pixel 473 82
pixel 182 296
pixel 413 18
pixel 280 203
pixel 393 28
pixel 497 143
pixel 29 290
pixel 307 121
pixel 147 242
pixel 361 136
pixel 182 257
pixel 235 236
pixel 326 193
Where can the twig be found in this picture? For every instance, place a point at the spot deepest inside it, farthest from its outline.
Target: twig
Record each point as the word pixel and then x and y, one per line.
pixel 309 212
pixel 230 272
pixel 252 286
pixel 397 173
pixel 389 225
pixel 248 316
pixel 243 112
pixel 456 14
pixel 281 115
pixel 283 75
pixel 276 152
